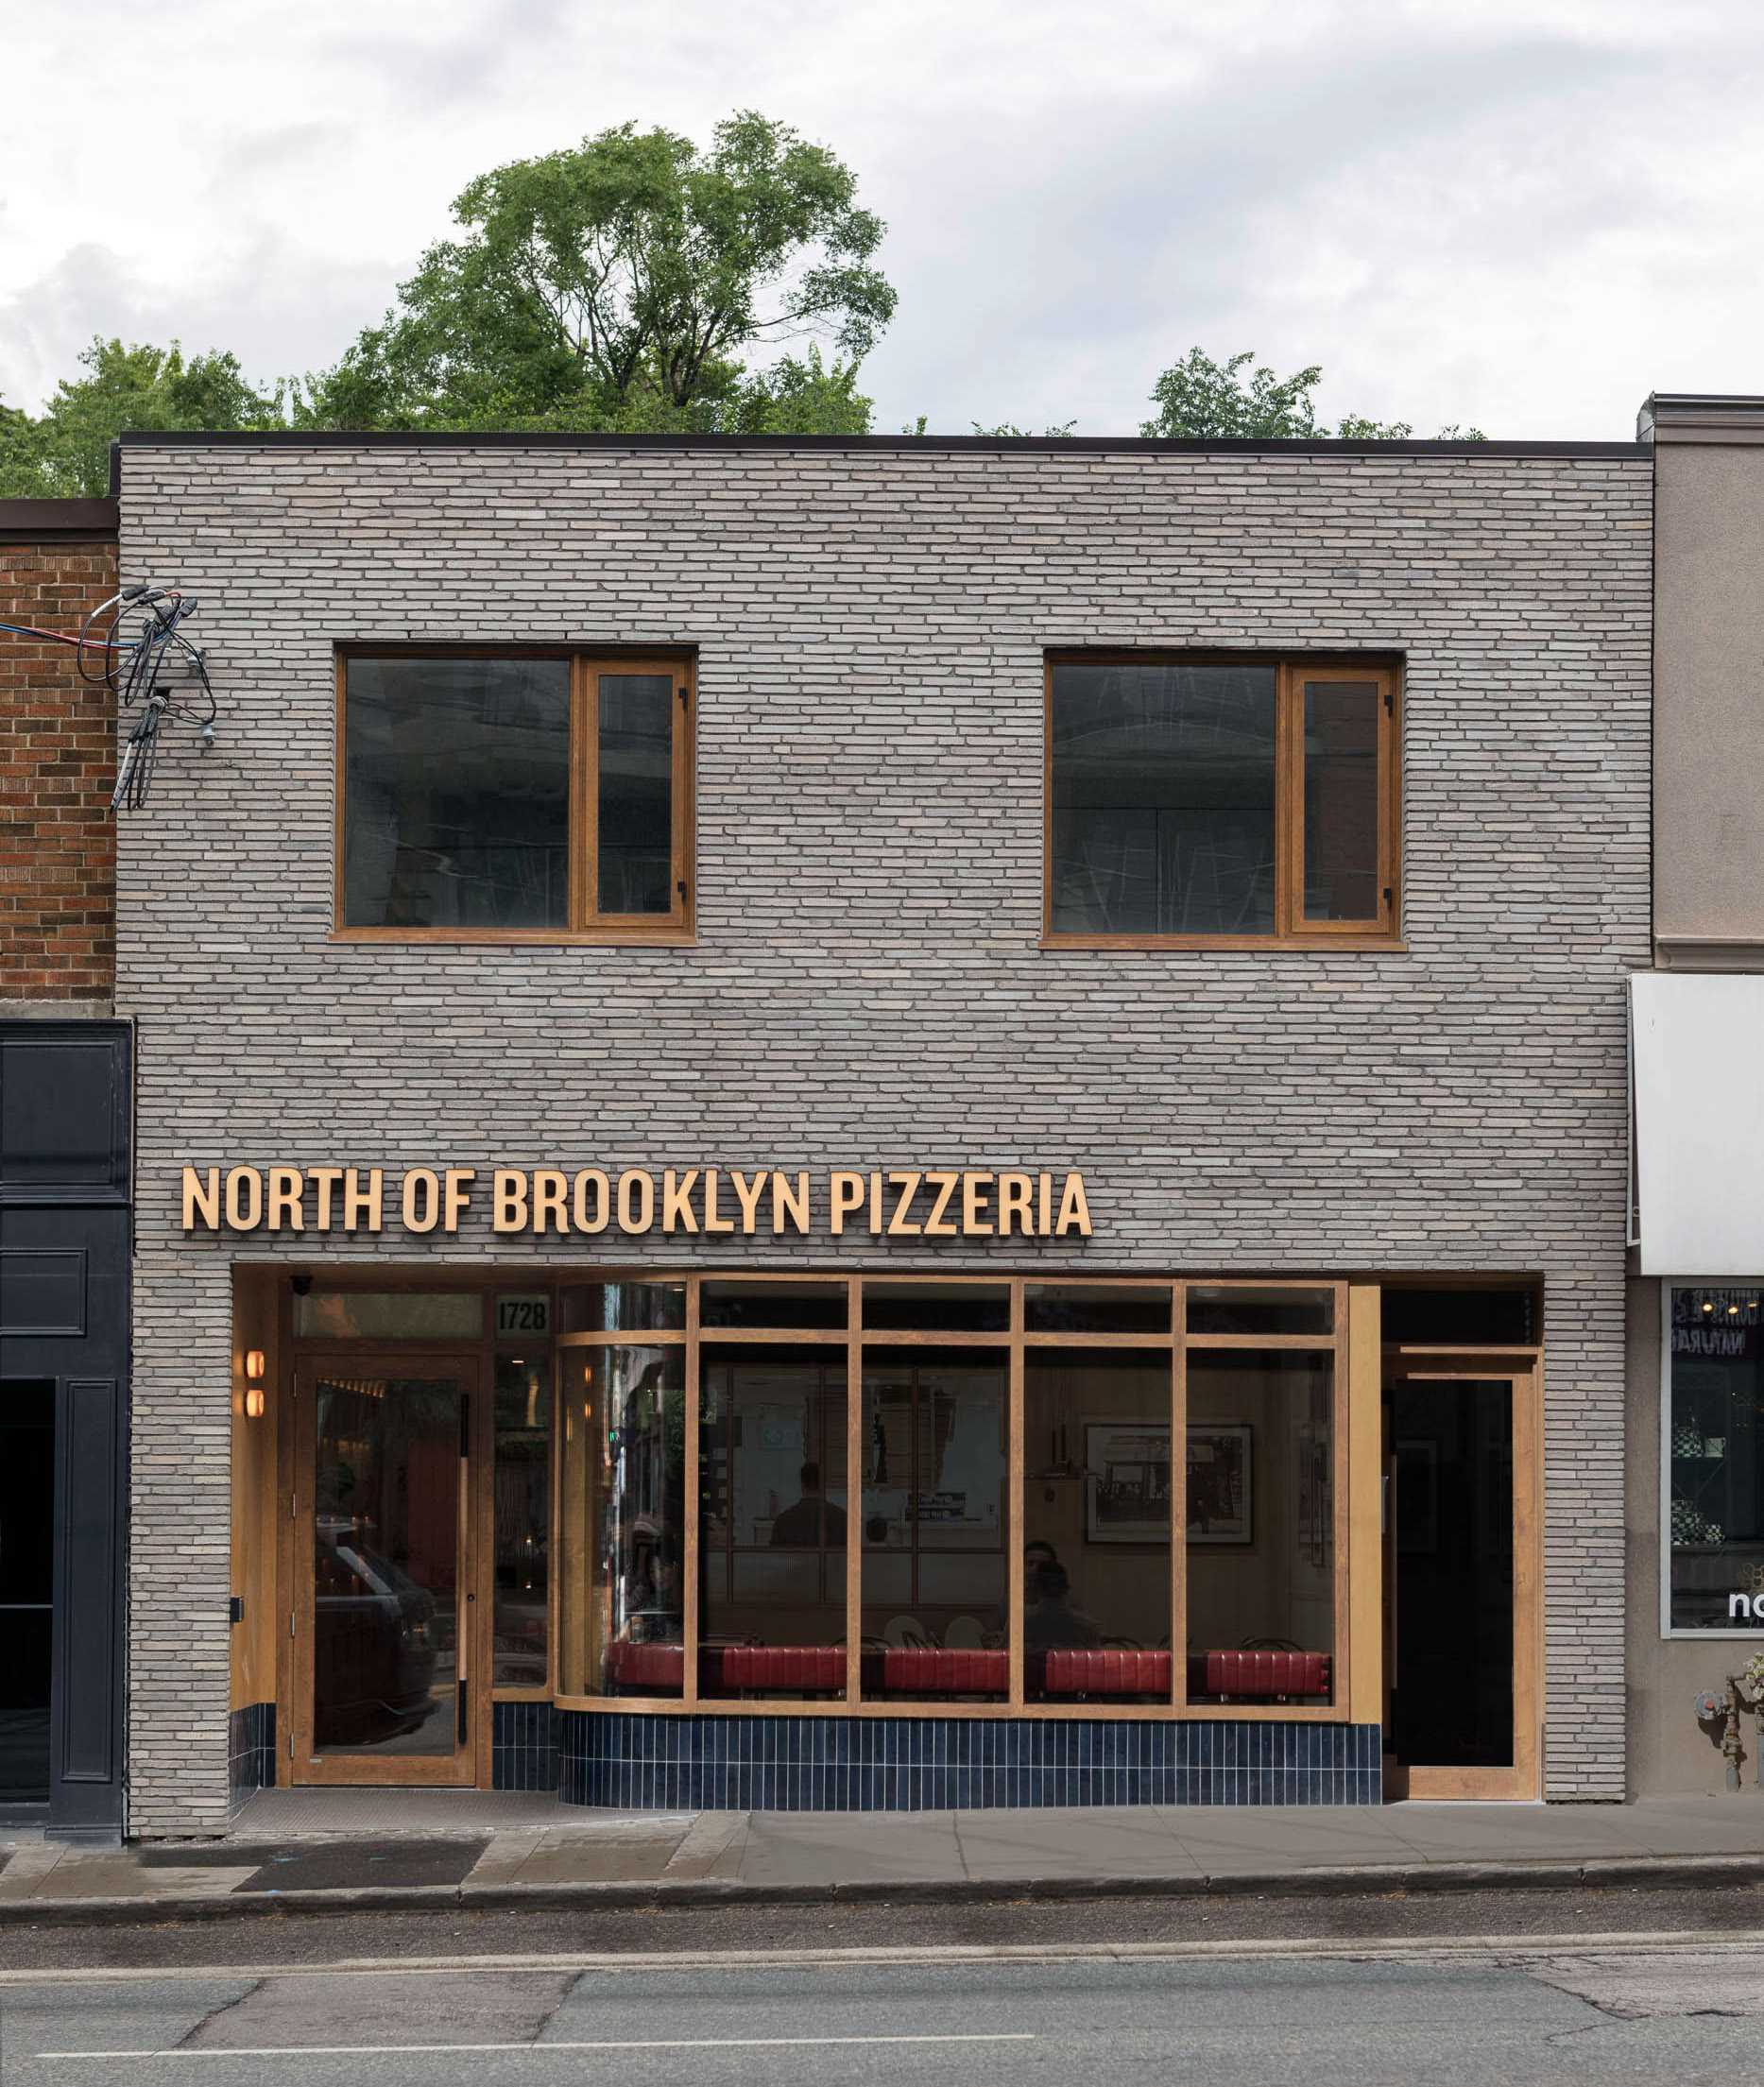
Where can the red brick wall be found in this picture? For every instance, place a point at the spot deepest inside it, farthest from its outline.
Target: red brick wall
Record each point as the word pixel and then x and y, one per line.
pixel 57 763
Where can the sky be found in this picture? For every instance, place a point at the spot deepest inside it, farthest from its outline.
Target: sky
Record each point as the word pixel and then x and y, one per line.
pixel 1518 214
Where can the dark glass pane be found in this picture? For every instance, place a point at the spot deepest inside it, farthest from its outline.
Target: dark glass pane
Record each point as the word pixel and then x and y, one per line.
pixel 1259 1307
pixel 1261 1552
pixel 1341 800
pixel 26 1531
pixel 1095 1308
pixel 456 799
pixel 1096 1524
pixel 622 1610
pixel 786 1306
pixel 522 1526
pixel 935 1513
pixel 1717 1458
pixel 937 1308
pixel 771 1527
pixel 1494 1317
pixel 25 1654
pixel 1451 1698
pixel 636 793
pixel 622 1308
pixel 26 1491
pixel 385 1565
pixel 1163 808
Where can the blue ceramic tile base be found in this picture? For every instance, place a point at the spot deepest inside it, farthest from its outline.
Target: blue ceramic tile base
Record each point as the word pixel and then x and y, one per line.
pixel 250 1750
pixel 523 1746
pixel 626 1758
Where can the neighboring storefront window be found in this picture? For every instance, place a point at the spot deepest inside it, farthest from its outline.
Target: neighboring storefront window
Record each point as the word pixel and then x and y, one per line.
pixel 1714 1456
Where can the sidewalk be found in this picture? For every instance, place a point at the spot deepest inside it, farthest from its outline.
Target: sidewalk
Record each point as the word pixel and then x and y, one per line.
pixel 338 1849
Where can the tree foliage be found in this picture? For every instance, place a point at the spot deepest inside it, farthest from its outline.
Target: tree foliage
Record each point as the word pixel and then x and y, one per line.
pixel 65 450
pixel 625 284
pixel 1211 401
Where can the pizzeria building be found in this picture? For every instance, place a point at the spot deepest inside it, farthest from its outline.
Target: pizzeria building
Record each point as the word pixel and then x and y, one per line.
pixel 885 1123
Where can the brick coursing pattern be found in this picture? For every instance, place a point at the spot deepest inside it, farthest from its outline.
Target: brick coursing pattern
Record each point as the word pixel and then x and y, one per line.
pixel 868 987
pixel 57 762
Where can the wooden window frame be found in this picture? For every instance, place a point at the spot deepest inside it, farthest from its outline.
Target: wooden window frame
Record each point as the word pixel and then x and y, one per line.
pixel 587 924
pixel 1291 930
pixel 1353 1676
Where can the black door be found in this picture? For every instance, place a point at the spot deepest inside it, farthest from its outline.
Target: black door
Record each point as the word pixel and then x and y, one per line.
pixel 27 1588
pixel 1452 1688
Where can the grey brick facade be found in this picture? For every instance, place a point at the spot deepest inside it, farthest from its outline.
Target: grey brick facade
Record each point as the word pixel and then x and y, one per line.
pixel 868 987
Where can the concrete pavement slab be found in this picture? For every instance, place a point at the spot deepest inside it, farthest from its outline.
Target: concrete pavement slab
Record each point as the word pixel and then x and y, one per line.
pixel 287 2012
pixel 120 1876
pixel 712 1846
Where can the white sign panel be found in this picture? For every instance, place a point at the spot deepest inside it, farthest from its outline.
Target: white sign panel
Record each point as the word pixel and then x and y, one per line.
pixel 1698 1046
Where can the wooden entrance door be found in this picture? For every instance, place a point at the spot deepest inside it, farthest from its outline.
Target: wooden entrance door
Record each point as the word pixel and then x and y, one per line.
pixel 1464 1581
pixel 391 1635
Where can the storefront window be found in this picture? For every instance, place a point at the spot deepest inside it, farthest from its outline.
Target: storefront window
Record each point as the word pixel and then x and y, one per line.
pixel 772 1522
pixel 523 1521
pixel 935 1514
pixel 622 1308
pixel 1715 1459
pixel 388 1315
pixel 1261 1526
pixel 1096 1524
pixel 622 1611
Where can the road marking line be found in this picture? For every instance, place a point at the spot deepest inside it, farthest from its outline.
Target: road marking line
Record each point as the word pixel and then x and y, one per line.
pixel 655 2043
pixel 1373 1949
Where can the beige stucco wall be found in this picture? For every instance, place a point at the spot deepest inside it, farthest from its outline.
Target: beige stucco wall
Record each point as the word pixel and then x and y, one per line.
pixel 1709 705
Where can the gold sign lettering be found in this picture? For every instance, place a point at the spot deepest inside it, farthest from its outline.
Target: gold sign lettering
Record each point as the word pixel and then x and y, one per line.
pixel 933 1203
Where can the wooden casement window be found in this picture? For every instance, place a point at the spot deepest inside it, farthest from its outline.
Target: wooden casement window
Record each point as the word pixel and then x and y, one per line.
pixel 533 795
pixel 1219 803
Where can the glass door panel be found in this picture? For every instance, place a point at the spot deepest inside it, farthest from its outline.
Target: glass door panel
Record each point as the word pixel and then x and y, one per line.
pixel 1462 1578
pixel 27 1524
pixel 389 1625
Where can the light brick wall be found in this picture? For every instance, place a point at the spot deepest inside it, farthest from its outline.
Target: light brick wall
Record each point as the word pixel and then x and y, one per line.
pixel 868 987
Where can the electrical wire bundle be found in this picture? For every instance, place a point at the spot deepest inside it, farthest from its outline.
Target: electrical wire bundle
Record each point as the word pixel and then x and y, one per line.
pixel 131 668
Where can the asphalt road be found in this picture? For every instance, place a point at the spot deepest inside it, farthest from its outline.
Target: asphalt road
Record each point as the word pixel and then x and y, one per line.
pixel 306 2001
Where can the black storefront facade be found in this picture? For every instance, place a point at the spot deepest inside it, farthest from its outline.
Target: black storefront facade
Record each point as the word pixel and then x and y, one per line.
pixel 66 1220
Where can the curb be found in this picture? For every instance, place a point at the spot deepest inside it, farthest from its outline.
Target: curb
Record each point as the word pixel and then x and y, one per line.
pixel 1655 1873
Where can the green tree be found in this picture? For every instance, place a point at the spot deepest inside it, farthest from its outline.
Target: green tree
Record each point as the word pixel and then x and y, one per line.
pixel 1211 401
pixel 65 450
pixel 624 284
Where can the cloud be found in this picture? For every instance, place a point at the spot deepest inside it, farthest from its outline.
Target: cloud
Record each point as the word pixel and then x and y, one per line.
pixel 1521 212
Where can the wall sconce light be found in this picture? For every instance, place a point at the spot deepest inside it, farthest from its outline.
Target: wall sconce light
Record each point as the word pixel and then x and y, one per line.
pixel 255 1384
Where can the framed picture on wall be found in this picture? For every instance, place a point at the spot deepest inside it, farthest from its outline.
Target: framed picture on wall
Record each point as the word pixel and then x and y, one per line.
pixel 1126 1482
pixel 1220 1478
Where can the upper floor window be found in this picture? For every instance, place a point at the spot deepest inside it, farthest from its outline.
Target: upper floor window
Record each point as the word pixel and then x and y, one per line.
pixel 1221 803
pixel 531 795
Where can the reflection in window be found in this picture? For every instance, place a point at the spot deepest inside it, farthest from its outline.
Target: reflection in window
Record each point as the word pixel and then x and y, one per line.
pixel 1096 1524
pixel 1261 1526
pixel 1162 798
pixel 934 1523
pixel 523 1521
pixel 1341 800
pixel 456 794
pixel 623 1614
pixel 635 862
pixel 771 1527
pixel 1716 1457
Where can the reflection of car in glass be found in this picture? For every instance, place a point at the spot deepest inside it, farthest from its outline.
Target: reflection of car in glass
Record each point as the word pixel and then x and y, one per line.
pixel 375 1643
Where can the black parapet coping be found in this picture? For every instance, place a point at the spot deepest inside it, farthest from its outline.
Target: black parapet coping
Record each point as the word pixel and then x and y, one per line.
pixel 40 521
